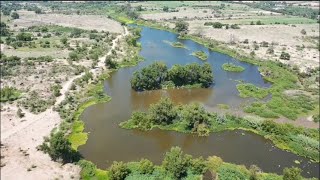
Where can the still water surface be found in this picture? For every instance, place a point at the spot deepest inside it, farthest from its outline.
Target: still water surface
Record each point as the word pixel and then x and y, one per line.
pixel 107 142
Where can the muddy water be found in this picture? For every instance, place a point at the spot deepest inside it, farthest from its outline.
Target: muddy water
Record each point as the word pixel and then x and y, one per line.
pixel 107 142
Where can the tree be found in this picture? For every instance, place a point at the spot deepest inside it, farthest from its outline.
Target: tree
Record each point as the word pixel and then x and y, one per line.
pixel 181 26
pixel 176 163
pixel 59 148
pixel 195 115
pixel 303 31
pixel 145 166
pixel 293 173
pixel 217 25
pixel 64 40
pixel 259 22
pixel 139 8
pixel 15 15
pixel 165 8
pixel 198 166
pixel 118 171
pixel 163 112
pixel 285 56
pixel 24 36
pixel 110 63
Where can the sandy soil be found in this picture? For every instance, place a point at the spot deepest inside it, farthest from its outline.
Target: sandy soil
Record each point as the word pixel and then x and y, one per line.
pixel 19 140
pixel 29 18
pixel 286 38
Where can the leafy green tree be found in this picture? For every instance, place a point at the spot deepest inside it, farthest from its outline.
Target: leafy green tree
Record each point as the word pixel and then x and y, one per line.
pixel 64 40
pixel 198 166
pixel 145 166
pixel 217 25
pixel 285 56
pixel 181 26
pixel 194 115
pixel 59 148
pixel 24 36
pixel 163 112
pixel 4 29
pixel 119 171
pixel 110 63
pixel 259 22
pixel 150 77
pixel 139 8
pixel 176 163
pixel 142 120
pixel 293 173
pixel 165 8
pixel 15 15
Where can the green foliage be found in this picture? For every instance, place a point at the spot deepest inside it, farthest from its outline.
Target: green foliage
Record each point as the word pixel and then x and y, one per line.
pixel 9 94
pixel 316 118
pixel 191 74
pixel 231 67
pixel 24 36
pixel 150 77
pixel 35 103
pixel 112 64
pixel 216 25
pixel 178 45
pixel 250 90
pixel 196 118
pixel 165 8
pixel 163 112
pixel 156 76
pixel 15 15
pixel 285 56
pixel 146 166
pixel 201 55
pixel 181 26
pixel 4 29
pixel 176 163
pixel 228 171
pixel 292 173
pixel 59 148
pixel 119 171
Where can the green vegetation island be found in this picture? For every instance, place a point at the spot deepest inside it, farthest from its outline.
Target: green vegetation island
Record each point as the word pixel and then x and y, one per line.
pixel 158 76
pixel 193 118
pixel 231 67
pixel 201 55
pixel 175 44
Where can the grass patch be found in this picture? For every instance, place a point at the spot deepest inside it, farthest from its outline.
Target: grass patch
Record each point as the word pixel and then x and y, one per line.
pixel 249 90
pixel 201 55
pixel 223 106
pixel 231 67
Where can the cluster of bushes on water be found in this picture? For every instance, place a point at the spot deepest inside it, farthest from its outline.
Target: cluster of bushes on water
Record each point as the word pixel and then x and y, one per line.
pixel 9 94
pixel 178 165
pixel 157 76
pixel 178 45
pixel 250 90
pixel 201 55
pixel 194 118
pixel 231 67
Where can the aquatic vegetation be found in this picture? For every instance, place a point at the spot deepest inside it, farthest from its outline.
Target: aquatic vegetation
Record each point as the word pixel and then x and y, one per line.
pixel 195 119
pixel 178 165
pixel 157 76
pixel 231 67
pixel 201 55
pixel 178 45
pixel 250 90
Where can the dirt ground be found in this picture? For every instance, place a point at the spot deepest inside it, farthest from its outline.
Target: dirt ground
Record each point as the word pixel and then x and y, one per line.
pixel 21 136
pixel 88 22
pixel 285 38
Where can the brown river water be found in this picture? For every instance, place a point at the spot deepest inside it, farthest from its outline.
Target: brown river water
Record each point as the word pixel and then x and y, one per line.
pixel 108 142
